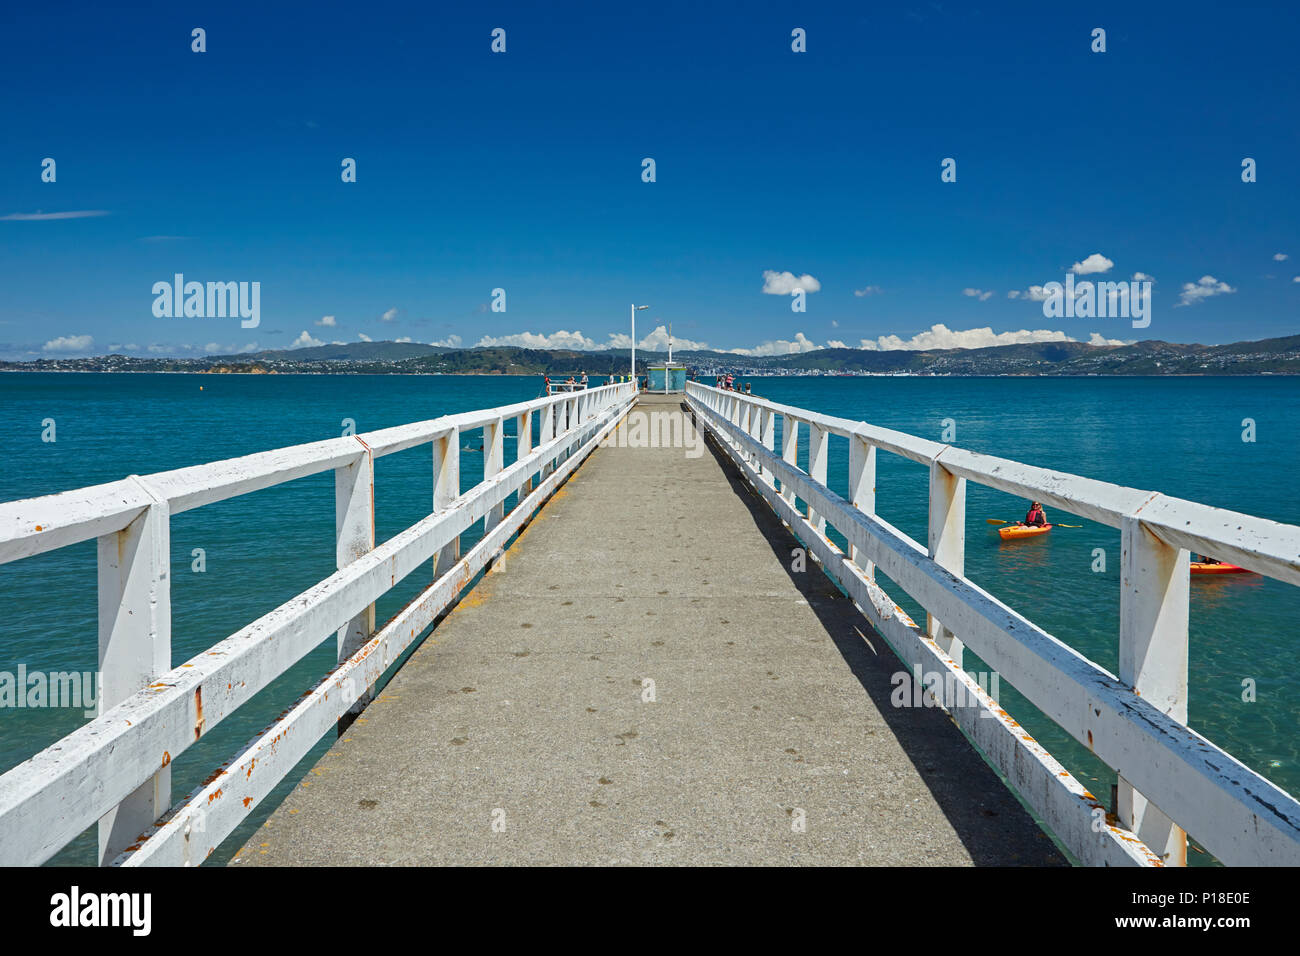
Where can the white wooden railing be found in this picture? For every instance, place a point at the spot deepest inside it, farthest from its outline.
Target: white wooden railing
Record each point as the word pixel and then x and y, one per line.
pixel 115 769
pixel 1172 780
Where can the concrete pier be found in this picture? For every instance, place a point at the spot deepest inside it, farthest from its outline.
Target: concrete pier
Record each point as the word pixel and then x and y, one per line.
pixel 645 679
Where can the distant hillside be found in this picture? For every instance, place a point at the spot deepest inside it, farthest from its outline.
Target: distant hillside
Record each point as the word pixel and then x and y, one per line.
pixel 348 352
pixel 1280 356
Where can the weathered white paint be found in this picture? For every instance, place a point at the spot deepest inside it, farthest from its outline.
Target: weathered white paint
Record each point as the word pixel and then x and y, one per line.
pixel 1237 814
pixel 493 461
pixel 818 455
pixel 446 489
pixel 862 491
pixel 947 543
pixel 1153 622
pixel 50 798
pixel 354 524
pixel 35 525
pixel 194 829
pixel 789 451
pixel 1267 547
pixel 548 433
pixel 1053 792
pixel 768 438
pixel 135 646
pixel 524 444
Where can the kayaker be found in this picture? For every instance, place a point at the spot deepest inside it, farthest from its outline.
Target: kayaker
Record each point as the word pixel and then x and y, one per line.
pixel 1036 517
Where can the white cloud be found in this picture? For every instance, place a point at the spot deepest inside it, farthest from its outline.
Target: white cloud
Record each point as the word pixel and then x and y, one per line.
pixel 1098 339
pixel 1143 277
pixel 1094 263
pixel 981 294
pixel 1280 257
pixel 327 321
pixel 1296 279
pixel 39 216
pixel 69 343
pixel 451 342
pixel 868 290
pixel 783 283
pixel 304 341
pixel 403 340
pixel 157 349
pixel 800 343
pixel 532 340
pixel 362 337
pixel 1035 293
pixel 1203 288
pixel 658 341
pixel 939 336
pixel 836 344
pixel 389 315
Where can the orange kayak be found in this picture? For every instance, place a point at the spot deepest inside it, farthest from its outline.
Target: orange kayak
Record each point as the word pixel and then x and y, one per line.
pixel 1022 531
pixel 1200 567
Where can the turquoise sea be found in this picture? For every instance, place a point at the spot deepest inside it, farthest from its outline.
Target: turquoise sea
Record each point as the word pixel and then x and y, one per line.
pixel 1181 436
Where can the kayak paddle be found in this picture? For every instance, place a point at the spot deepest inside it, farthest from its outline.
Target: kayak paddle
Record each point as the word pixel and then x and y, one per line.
pixel 1054 524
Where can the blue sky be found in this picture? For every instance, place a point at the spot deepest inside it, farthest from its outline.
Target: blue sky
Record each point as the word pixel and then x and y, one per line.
pixel 522 170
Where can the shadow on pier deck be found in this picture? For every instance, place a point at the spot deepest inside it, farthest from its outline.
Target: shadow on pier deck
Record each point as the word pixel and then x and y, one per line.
pixel 520 732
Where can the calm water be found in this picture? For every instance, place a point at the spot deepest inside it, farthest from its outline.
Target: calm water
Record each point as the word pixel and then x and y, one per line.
pixel 1178 436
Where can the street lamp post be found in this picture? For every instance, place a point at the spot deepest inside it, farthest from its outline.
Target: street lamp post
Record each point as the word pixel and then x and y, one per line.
pixel 635 310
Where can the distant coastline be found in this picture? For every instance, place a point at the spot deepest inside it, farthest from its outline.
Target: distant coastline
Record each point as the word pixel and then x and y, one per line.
pixel 1270 357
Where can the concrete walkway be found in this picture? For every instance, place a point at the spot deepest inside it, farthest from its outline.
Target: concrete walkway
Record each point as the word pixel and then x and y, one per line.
pixel 521 732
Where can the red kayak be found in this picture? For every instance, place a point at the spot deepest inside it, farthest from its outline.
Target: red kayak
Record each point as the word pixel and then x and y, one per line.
pixel 1202 567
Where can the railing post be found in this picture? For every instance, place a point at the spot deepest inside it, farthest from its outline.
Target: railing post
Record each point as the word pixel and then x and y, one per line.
pixel 745 419
pixel 493 461
pixel 135 649
pixel 768 438
pixel 446 489
pixel 818 439
pixel 354 526
pixel 1153 619
pixel 862 491
pixel 548 434
pixel 524 446
pixel 947 540
pixel 789 452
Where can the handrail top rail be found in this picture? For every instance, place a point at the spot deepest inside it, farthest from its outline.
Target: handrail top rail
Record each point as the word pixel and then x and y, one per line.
pixel 1263 545
pixel 30 526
